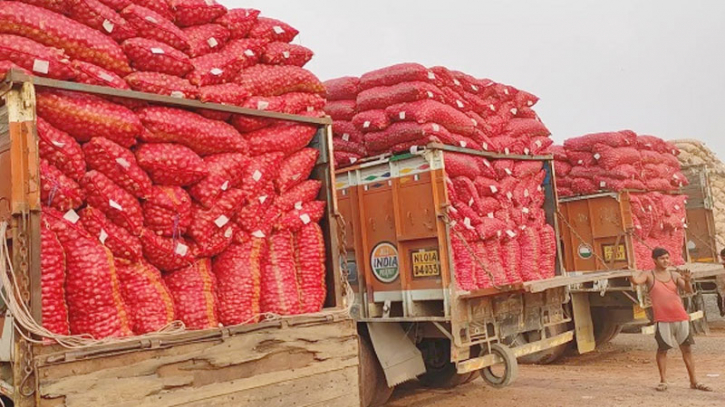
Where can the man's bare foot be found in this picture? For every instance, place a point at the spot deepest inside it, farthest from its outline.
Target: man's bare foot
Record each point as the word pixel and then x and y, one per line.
pixel 661 387
pixel 700 386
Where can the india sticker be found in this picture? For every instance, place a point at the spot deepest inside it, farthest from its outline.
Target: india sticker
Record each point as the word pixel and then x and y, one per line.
pixel 585 251
pixel 384 262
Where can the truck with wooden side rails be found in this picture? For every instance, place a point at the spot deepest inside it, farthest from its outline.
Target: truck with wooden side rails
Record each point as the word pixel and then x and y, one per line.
pixel 302 360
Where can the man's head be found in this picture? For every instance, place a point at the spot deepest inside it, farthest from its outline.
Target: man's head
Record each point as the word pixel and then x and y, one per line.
pixel 661 257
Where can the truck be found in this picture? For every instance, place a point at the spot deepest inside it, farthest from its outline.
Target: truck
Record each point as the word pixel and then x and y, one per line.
pixel 301 360
pixel 413 318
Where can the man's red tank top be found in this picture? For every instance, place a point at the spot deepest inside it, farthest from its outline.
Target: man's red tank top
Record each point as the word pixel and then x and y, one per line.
pixel 666 303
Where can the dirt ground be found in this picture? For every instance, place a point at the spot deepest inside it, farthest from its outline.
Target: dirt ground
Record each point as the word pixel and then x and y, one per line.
pixel 621 373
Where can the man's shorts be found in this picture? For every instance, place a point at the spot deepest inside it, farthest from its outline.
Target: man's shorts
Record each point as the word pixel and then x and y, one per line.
pixel 672 334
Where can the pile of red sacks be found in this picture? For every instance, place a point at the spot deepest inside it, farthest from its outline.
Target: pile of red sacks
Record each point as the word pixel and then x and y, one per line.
pixel 499 233
pixel 615 161
pixel 659 221
pixel 154 214
pixel 404 106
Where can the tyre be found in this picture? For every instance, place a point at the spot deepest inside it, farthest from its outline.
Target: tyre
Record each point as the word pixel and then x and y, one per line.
pixel 604 328
pixel 440 372
pixel 374 388
pixel 546 356
pixel 510 365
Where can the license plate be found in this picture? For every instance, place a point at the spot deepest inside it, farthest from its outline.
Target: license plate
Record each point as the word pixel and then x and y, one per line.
pixel 617 254
pixel 426 263
pixel 639 312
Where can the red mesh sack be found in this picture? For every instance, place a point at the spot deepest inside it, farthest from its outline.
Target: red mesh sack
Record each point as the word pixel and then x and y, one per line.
pixel 146 295
pixel 455 99
pixel 526 128
pixel 152 25
pixel 166 253
pixel 118 164
pixel 194 292
pixel 95 75
pixel 154 56
pixel 282 53
pixel 523 169
pixel 167 211
pixel 562 168
pixel 224 65
pixel 57 190
pixel 659 184
pixel 610 158
pixel 52 283
pixel 463 266
pixel 239 21
pixel 274 80
pixel 60 150
pixel 207 38
pixel 466 192
pixel 531 254
pixel 115 238
pixel 511 257
pixel 204 136
pixel 305 191
pixel 483 264
pixel 171 164
pixel 117 204
pixel 657 171
pixel 246 124
pixel 345 159
pixel 403 132
pixel 280 291
pixel 371 120
pixel 259 214
pixel 260 171
pixel 6 66
pixel 587 142
pixel 430 111
pixel 39 59
pixel 77 40
pixel 490 228
pixel 226 94
pixel 97 15
pixel 525 99
pixel 584 159
pixel 310 262
pixel 468 82
pixel 493 260
pixel 285 138
pixel 204 222
pixel 296 168
pixel 344 88
pixel 272 30
pixel 679 180
pixel 341 145
pixel 487 186
pixel 564 191
pixel 540 145
pixel 382 97
pixel 346 131
pixel 301 103
pixel 117 5
pixel 644 142
pixel 342 109
pixel 296 219
pixel 461 165
pixel 59 6
pixel 239 271
pixel 162 84
pixel 651 157
pixel 215 243
pixel 196 12
pixel 583 186
pixel 225 171
pixel 443 77
pixel 160 6
pixel 86 116
pixel 586 172
pixel 394 74
pixel 95 305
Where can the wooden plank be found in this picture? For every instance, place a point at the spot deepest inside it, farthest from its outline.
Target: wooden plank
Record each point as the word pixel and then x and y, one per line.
pixel 17 76
pixel 201 372
pixel 518 157
pixel 583 325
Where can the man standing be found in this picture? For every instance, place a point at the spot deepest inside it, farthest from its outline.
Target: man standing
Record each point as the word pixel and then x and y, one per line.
pixel 672 323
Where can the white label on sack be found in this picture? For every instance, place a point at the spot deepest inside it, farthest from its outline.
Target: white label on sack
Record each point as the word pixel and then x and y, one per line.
pixel 366 124
pixel 649 208
pixel 216 71
pixel 353 160
pixel 221 221
pixel 431 75
pixel 677 207
pixel 597 156
pixel 277 29
pixel 470 202
pixel 178 94
pixel 509 195
pixel 498 233
pixel 209 2
pixel 508 171
pixel 526 192
pixel 456 82
pixel 225 186
pixel 41 66
pixel 285 54
pixel 463 143
pixel 157 51
pixel 58 144
pixel 474 87
pixel 257 175
pixel 580 162
pixel 212 42
pixel 181 249
pixel 453 223
pixel 506 91
pixel 475 123
pixel 262 105
pixel 436 127
pixel 106 77
pixel 685 226
pixel 228 233
pixel 249 53
pixel 459 104
pixel 108 26
pixel 538 143
pixel 305 218
pixel 675 176
pixel 430 94
pixel 522 227
pixel 602 184
pixel 310 108
pixel 525 210
pixel 346 137
pixel 493 189
pixel 638 227
pixel 453 209
pixel 490 215
pixel 258 234
pixel 401 115
pixel 103 236
pixel 123 162
pixel 511 233
pixel 262 199
pixel 527 151
pixel 467 223
pixel 529 103
pixel 71 216
pixel 115 205
pixel 296 177
pixel 506 151
pixel 485 146
pixel 151 20
pixel 538 188
pixel 514 110
pixel 486 163
pixel 298 205
pixel 492 107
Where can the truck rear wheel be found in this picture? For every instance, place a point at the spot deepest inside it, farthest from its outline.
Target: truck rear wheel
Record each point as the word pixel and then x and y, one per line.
pixel 497 379
pixel 546 356
pixel 375 391
pixel 604 328
pixel 440 372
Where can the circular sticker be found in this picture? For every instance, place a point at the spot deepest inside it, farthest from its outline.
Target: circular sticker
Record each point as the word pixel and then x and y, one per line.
pixel 384 262
pixel 585 251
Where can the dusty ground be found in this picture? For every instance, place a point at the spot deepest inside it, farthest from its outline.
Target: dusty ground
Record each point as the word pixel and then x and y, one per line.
pixel 622 373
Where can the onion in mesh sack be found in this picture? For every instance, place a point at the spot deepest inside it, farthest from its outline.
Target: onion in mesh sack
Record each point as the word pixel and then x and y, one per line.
pixel 194 292
pixel 239 270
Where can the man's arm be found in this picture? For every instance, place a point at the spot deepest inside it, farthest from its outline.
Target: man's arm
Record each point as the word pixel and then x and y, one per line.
pixel 640 277
pixel 684 280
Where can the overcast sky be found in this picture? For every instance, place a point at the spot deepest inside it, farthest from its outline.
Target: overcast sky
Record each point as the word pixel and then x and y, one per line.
pixel 653 66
